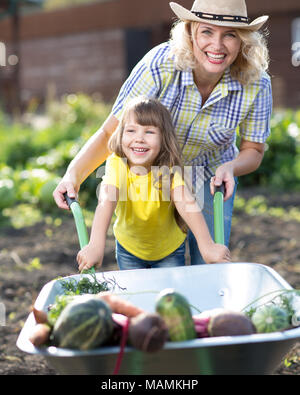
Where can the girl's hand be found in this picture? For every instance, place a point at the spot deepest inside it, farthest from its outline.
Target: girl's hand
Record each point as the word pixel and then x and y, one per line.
pixel 217 253
pixel 62 187
pixel 89 256
pixel 224 173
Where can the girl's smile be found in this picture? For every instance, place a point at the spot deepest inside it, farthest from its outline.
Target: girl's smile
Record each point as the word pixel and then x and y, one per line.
pixel 141 144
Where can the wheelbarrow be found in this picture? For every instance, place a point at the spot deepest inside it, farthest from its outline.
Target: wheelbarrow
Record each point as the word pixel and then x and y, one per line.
pixel 227 285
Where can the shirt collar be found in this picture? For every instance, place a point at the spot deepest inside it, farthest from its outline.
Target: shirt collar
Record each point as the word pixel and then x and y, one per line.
pixel 232 84
pixel 226 82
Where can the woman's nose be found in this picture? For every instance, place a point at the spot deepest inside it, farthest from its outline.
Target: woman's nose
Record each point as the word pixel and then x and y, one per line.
pixel 217 41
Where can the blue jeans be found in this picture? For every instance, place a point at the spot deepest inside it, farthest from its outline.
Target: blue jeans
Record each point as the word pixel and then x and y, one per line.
pixel 208 213
pixel 128 261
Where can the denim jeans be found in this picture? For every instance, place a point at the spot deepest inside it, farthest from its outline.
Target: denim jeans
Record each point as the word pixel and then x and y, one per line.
pixel 127 261
pixel 208 213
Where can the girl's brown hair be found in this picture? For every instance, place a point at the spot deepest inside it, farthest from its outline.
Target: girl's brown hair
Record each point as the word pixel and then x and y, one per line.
pixel 151 112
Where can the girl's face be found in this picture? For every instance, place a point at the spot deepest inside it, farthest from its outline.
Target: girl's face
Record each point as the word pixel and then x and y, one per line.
pixel 215 48
pixel 140 144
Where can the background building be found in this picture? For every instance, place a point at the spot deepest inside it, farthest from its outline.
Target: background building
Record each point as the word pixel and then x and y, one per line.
pixel 92 48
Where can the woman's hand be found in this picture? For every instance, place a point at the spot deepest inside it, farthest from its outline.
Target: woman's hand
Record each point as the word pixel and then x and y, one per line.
pixel 65 185
pixel 248 160
pixel 89 256
pixel 224 174
pixel 216 253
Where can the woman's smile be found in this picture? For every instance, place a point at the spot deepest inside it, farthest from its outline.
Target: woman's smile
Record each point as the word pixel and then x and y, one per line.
pixel 215 58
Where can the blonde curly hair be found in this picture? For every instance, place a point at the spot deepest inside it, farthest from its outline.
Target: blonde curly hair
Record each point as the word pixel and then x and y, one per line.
pixel 251 61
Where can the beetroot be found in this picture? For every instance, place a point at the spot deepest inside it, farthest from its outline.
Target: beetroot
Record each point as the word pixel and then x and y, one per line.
pixel 230 323
pixel 147 332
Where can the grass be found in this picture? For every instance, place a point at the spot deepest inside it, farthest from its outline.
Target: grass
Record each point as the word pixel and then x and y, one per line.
pixel 259 206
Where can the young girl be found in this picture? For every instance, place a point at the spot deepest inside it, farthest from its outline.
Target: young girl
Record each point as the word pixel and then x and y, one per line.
pixel 144 187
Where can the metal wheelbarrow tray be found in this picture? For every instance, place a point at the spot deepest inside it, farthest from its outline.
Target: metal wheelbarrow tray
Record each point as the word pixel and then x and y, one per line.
pixel 232 286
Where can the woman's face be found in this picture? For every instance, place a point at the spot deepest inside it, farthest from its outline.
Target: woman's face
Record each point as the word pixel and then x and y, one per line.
pixel 215 47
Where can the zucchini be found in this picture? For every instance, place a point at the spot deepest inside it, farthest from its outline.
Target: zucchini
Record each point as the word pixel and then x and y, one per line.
pixel 175 311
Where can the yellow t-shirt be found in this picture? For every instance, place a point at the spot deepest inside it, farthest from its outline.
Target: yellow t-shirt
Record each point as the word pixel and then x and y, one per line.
pixel 145 224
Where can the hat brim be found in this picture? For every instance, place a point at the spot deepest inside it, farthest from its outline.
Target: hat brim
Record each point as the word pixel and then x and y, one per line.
pixel 186 15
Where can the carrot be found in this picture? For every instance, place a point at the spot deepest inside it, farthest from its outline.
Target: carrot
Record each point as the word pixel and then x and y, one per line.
pixel 40 334
pixel 40 316
pixel 120 306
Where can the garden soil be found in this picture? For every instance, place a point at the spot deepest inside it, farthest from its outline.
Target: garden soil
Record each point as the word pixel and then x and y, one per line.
pixel 271 241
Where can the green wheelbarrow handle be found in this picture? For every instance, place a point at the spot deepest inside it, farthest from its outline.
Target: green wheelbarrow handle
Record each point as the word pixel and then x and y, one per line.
pixel 219 215
pixel 80 224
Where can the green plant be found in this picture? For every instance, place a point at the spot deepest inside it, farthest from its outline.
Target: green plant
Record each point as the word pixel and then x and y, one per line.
pixel 280 167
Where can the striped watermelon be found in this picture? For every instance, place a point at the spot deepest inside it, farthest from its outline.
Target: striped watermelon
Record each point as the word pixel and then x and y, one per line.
pixel 176 313
pixel 84 323
pixel 270 318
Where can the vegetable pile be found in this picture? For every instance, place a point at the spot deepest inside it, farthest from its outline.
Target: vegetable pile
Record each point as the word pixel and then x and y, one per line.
pixel 89 315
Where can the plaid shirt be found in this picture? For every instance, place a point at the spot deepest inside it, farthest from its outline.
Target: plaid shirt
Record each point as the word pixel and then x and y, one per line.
pixel 206 134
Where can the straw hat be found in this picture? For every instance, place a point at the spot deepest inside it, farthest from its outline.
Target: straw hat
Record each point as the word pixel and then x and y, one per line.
pixel 231 13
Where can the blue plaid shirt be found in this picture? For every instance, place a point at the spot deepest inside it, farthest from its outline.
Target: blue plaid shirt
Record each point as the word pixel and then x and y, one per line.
pixel 206 133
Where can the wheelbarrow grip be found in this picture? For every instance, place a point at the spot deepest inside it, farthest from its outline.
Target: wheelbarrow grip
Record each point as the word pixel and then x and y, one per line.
pixel 219 214
pixel 221 188
pixel 80 224
pixel 69 200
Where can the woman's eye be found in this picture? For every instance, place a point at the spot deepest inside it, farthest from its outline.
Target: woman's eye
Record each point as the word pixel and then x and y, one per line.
pixel 206 32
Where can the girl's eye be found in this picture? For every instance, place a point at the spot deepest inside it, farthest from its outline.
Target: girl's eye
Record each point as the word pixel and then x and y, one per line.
pixel 150 132
pixel 129 130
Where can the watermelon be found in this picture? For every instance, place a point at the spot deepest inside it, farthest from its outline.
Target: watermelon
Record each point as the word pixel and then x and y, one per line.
pixel 85 323
pixel 270 318
pixel 176 313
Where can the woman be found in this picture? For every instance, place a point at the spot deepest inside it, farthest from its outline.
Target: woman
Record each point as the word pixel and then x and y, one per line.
pixel 212 77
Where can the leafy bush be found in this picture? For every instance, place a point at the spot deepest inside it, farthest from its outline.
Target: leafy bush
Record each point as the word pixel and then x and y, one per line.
pixel 34 153
pixel 280 168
